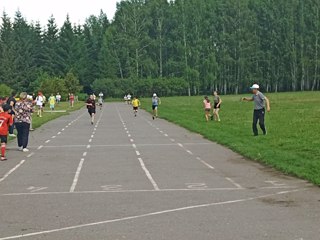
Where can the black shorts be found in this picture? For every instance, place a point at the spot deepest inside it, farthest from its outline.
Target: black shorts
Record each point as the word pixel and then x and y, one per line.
pixel 216 106
pixel 4 139
pixel 100 104
pixel 154 107
pixel 135 108
pixel 91 111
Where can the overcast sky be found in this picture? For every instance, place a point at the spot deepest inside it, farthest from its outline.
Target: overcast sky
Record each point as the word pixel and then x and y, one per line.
pixel 41 10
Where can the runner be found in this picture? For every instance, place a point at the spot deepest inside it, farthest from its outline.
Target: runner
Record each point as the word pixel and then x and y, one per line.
pixel 58 98
pixel 217 105
pixel 39 103
pixel 207 108
pixel 260 102
pixel 52 102
pixel 91 106
pixel 136 104
pixel 12 103
pixel 129 98
pixel 101 95
pixel 6 120
pixel 155 104
pixel 100 102
pixel 125 99
pixel 23 120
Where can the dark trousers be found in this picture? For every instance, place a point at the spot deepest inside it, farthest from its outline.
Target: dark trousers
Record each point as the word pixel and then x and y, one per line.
pixel 11 128
pixel 23 133
pixel 258 115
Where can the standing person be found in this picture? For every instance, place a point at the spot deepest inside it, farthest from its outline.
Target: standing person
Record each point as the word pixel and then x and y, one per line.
pixel 260 102
pixel 155 104
pixel 129 98
pixel 52 102
pixel 58 98
pixel 91 106
pixel 216 106
pixel 39 103
pixel 23 120
pixel 12 103
pixel 207 108
pixel 71 99
pixel 6 120
pixel 135 104
pixel 125 99
pixel 101 95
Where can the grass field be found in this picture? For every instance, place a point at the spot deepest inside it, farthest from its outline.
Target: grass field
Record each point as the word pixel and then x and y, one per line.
pixel 293 141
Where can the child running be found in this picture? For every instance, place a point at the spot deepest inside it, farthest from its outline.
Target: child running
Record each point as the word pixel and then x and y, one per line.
pixel 136 104
pixel 207 107
pixel 39 103
pixel 217 105
pixel 91 106
pixel 6 121
pixel 155 104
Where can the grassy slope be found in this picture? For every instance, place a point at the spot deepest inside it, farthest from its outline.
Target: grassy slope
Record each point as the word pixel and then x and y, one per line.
pixel 292 144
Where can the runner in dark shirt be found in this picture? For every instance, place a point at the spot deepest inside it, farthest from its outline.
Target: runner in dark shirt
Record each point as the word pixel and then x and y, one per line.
pixel 91 106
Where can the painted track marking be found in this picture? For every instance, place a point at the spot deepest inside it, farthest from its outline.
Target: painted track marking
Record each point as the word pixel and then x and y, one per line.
pixel 143 166
pixel 12 170
pixel 76 177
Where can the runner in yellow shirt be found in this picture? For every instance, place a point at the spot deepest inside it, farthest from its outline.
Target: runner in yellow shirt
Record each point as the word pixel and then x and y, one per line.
pixel 136 104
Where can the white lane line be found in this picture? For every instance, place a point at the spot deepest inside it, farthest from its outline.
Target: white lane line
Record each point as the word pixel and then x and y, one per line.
pixel 151 214
pixel 30 155
pixel 47 141
pixel 130 191
pixel 90 140
pixel 205 163
pixel 89 146
pixel 127 132
pixel 129 135
pixel 12 170
pixel 166 135
pixel 126 129
pixel 234 183
pixel 161 131
pixel 143 166
pixel 94 133
pixel 138 153
pixel 180 145
pixel 131 140
pixel 134 146
pixel 84 154
pixel 41 146
pixel 38 189
pixel 92 136
pixel 172 140
pixel 95 129
pixel 188 151
pixel 58 133
pixel 53 137
pixel 76 177
pixel 67 126
pixel 62 129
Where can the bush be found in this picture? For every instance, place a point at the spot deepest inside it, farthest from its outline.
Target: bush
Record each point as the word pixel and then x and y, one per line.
pixel 5 90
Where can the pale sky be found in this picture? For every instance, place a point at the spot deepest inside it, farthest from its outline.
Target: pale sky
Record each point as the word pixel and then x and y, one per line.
pixel 41 10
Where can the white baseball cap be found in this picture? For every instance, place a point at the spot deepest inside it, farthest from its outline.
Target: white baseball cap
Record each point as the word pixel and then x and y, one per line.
pixel 154 94
pixel 255 86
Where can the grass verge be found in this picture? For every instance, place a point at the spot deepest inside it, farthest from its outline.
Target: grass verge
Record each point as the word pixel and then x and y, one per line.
pixel 292 143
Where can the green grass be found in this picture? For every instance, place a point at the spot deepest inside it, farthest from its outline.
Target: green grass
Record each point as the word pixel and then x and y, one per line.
pixel 47 116
pixel 292 144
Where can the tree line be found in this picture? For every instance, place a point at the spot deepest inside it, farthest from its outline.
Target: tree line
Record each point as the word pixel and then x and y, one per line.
pixel 173 47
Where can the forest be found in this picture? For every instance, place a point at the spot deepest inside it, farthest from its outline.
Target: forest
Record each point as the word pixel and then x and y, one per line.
pixel 181 47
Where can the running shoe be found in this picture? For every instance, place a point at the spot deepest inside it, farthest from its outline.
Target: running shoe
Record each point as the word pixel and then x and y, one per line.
pixel 25 150
pixel 12 135
pixel 3 159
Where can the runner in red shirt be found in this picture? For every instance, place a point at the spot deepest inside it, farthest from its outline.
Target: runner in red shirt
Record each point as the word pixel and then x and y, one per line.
pixel 6 120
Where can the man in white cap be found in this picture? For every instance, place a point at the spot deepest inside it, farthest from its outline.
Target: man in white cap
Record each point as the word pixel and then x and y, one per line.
pixel 260 104
pixel 155 103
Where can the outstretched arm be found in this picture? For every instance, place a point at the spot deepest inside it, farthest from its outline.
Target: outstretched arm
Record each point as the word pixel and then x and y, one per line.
pixel 247 99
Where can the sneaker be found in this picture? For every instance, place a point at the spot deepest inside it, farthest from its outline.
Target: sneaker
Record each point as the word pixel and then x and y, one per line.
pixel 3 159
pixel 25 150
pixel 20 148
pixel 12 135
pixel 91 123
pixel 153 117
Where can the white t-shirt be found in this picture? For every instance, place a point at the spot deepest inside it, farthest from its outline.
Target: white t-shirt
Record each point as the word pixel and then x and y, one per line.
pixel 58 97
pixel 39 101
pixel 129 97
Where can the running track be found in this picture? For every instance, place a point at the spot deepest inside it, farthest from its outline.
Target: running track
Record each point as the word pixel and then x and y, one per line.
pixel 134 178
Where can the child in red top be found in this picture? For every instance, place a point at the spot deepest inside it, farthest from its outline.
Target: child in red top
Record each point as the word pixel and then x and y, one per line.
pixel 5 121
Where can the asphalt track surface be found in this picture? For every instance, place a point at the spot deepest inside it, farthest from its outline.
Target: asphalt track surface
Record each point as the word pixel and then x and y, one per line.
pixel 134 178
